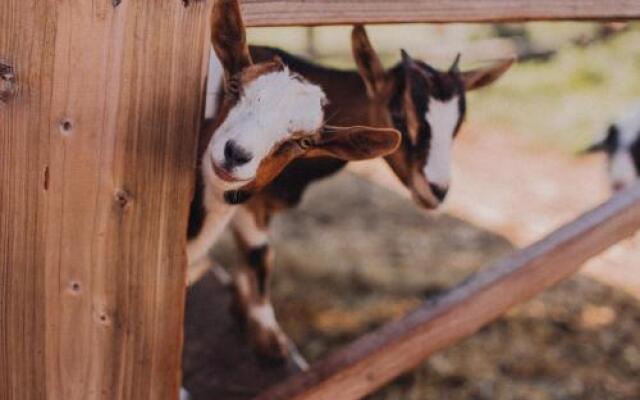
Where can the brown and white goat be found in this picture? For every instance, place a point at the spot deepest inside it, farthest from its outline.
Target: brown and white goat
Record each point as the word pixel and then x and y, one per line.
pixel 426 105
pixel 621 144
pixel 266 117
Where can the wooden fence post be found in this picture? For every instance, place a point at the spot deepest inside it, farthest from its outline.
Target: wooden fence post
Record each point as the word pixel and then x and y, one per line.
pixel 99 111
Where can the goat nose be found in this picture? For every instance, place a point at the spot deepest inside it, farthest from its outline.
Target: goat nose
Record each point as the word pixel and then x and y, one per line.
pixel 439 192
pixel 235 155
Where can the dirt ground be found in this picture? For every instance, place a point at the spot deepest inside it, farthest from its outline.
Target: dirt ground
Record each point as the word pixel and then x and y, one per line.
pixel 508 186
pixel 356 255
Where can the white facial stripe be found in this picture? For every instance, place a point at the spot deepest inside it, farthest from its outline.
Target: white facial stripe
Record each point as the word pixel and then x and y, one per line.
pixel 629 125
pixel 443 118
pixel 272 107
pixel 621 168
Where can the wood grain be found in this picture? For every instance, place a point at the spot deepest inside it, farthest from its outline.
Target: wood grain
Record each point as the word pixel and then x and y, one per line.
pixel 375 359
pixel 97 154
pixel 331 12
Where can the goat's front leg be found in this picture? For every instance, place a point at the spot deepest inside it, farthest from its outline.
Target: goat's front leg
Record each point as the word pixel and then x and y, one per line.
pixel 251 284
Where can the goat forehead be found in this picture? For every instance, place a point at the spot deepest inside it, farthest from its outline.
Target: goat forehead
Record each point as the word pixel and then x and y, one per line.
pixel 628 125
pixel 284 100
pixel 444 109
pixel 442 85
pixel 447 102
pixel 271 108
pixel 443 118
pixel 629 135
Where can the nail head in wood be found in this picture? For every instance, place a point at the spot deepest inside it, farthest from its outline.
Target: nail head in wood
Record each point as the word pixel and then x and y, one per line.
pixel 74 287
pixel 66 126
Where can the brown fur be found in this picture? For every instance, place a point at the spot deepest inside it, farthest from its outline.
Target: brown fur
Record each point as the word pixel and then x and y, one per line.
pixel 348 144
pixel 229 42
pixel 229 38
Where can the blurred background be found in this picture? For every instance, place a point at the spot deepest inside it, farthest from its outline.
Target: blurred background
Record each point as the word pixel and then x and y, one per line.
pixel 358 253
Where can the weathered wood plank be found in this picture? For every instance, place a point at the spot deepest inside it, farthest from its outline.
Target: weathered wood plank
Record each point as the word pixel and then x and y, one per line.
pixel 331 12
pixel 98 133
pixel 377 358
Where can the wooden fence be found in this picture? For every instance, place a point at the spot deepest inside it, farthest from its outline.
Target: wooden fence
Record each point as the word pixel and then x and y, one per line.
pixel 99 113
pixel 331 12
pixel 392 350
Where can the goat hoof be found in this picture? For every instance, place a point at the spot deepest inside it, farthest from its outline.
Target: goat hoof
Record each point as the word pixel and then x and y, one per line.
pixel 271 344
pixel 184 395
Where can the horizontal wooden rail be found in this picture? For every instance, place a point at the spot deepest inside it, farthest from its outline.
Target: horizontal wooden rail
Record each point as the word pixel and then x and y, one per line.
pixel 332 12
pixel 375 359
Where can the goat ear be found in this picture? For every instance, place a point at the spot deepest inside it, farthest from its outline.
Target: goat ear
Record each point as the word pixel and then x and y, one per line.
pixel 228 37
pixel 594 148
pixel 369 65
pixel 607 144
pixel 355 143
pixel 481 77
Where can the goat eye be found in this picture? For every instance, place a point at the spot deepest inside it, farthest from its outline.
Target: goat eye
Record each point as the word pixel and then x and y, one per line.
pixel 305 143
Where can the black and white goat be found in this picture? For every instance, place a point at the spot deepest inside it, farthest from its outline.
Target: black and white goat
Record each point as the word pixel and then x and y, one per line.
pixel 621 144
pixel 425 104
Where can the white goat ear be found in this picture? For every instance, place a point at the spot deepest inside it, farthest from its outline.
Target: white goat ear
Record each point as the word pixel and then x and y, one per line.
pixel 354 143
pixel 229 38
pixel 368 62
pixel 478 78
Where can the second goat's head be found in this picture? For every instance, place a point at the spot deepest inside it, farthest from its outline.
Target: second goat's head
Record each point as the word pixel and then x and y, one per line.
pixel 427 105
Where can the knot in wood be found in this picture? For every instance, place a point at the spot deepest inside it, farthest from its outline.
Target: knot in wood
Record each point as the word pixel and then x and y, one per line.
pixel 187 3
pixel 122 198
pixel 116 3
pixel 7 82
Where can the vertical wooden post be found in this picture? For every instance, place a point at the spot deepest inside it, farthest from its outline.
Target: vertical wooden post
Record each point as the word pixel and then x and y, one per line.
pixel 99 110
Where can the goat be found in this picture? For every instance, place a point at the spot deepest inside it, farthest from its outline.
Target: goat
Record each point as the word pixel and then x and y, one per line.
pixel 266 117
pixel 426 105
pixel 621 144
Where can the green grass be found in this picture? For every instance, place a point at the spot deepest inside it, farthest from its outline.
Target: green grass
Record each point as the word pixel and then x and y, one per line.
pixel 568 101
